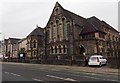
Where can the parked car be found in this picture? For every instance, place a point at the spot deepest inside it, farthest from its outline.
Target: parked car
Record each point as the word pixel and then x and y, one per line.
pixel 97 60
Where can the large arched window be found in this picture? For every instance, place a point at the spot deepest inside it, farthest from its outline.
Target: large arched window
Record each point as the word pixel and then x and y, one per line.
pixel 52 28
pixel 58 29
pixel 64 28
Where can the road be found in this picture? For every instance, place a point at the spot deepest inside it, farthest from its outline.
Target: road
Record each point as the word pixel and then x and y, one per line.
pixel 18 72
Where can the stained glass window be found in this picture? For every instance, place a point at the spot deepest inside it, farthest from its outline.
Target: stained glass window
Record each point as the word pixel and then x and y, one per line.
pixel 58 29
pixel 64 28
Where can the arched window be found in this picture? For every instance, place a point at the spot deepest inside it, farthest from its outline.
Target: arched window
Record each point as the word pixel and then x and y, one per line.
pixel 47 36
pixel 59 49
pixel 55 49
pixel 64 28
pixel 52 27
pixel 56 11
pixel 35 44
pixel 34 53
pixel 64 49
pixel 51 49
pixel 58 29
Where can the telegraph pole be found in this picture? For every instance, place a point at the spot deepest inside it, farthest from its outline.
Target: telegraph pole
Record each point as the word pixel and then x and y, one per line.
pixel 2 45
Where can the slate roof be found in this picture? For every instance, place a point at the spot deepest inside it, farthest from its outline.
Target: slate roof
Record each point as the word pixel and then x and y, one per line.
pixel 89 25
pixel 13 40
pixel 107 25
pixel 5 41
pixel 22 40
pixel 37 31
pixel 93 24
pixel 78 20
pixel 88 28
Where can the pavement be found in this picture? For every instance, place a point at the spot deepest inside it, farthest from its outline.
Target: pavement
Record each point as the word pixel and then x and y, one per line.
pixel 77 69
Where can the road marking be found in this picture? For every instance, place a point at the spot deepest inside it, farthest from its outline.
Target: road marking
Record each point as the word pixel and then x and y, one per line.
pixel 100 78
pixel 67 79
pixel 36 79
pixel 14 74
pixel 97 78
pixel 54 70
pixel 42 68
pixel 7 72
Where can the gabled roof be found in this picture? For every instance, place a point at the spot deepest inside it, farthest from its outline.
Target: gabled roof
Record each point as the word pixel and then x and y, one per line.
pixel 89 25
pixel 88 28
pixel 93 24
pixel 78 20
pixel 37 31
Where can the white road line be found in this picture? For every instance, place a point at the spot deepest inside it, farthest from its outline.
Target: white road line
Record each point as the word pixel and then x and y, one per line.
pixel 36 79
pixel 99 78
pixel 67 79
pixel 7 72
pixel 54 70
pixel 92 77
pixel 14 74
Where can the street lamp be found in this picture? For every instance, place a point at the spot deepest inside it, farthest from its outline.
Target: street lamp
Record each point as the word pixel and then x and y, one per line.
pixel 2 44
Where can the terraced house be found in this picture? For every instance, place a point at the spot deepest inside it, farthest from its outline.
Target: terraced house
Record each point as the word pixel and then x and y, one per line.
pixel 68 34
pixel 35 43
pixel 11 48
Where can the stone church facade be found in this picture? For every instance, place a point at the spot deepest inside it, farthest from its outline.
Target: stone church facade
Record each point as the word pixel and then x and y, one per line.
pixel 68 34
pixel 68 37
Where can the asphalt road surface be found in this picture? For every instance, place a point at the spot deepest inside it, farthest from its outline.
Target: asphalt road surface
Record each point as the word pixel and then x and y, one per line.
pixel 16 72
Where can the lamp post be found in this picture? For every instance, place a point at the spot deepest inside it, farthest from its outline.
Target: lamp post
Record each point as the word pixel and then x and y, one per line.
pixel 2 45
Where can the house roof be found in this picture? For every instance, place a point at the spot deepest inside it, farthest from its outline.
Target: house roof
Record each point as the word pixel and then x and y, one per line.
pixel 88 28
pixel 13 40
pixel 108 26
pixel 22 40
pixel 37 31
pixel 5 41
pixel 93 24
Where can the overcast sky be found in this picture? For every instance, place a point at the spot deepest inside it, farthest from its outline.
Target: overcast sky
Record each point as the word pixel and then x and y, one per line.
pixel 19 17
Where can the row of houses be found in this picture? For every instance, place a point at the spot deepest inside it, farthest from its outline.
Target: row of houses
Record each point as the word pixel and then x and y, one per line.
pixel 33 43
pixel 66 34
